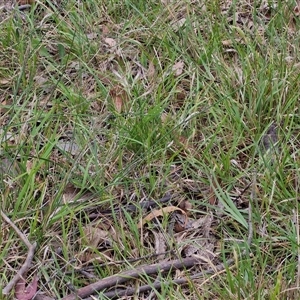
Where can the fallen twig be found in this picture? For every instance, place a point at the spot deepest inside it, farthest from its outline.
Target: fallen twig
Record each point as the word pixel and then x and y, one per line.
pixel 131 274
pixel 16 229
pixel 119 262
pixel 157 285
pixel 24 6
pixel 27 263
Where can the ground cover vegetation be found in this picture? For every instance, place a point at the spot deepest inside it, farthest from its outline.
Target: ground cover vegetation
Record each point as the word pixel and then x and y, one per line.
pixel 149 149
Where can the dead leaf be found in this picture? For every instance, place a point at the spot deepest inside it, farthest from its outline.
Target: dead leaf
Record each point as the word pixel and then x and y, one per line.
pixel 105 30
pixel 72 194
pixel 118 104
pixel 212 195
pixel 181 222
pixel 178 24
pixel 227 43
pixel 186 205
pixel 203 223
pixel 183 141
pixel 94 236
pixel 159 213
pixel 293 27
pixel 297 9
pixel 40 80
pixel 68 145
pixel 26 293
pixel 110 42
pixel 200 248
pixel 119 98
pixel 164 117
pixel 180 95
pixel 92 35
pixel 5 82
pixel 29 165
pixel 160 244
pixel 178 68
pixel 151 71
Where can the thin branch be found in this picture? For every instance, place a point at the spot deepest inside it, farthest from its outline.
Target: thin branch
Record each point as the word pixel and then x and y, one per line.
pixel 24 6
pixel 115 294
pixel 27 263
pixel 22 271
pixel 119 262
pixel 16 229
pixel 132 274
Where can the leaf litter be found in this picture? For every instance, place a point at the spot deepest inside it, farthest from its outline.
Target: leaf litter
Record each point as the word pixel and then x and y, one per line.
pixel 192 231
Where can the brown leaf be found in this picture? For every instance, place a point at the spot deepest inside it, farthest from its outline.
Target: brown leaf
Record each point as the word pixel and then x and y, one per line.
pixel 164 117
pixel 203 223
pixel 227 43
pixel 3 107
pixel 118 104
pixel 105 30
pixel 92 35
pixel 151 71
pixel 110 42
pixel 293 18
pixel 72 194
pixel 5 82
pixel 212 195
pixel 178 68
pixel 159 213
pixel 160 244
pixel 181 222
pixel 29 165
pixel 201 249
pixel 119 98
pixel 186 205
pixel 26 293
pixel 88 257
pixel 40 80
pixel 94 236
pixel 178 24
pixel 297 9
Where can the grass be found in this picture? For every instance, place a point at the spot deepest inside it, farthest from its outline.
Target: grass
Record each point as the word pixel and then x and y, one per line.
pixel 96 112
